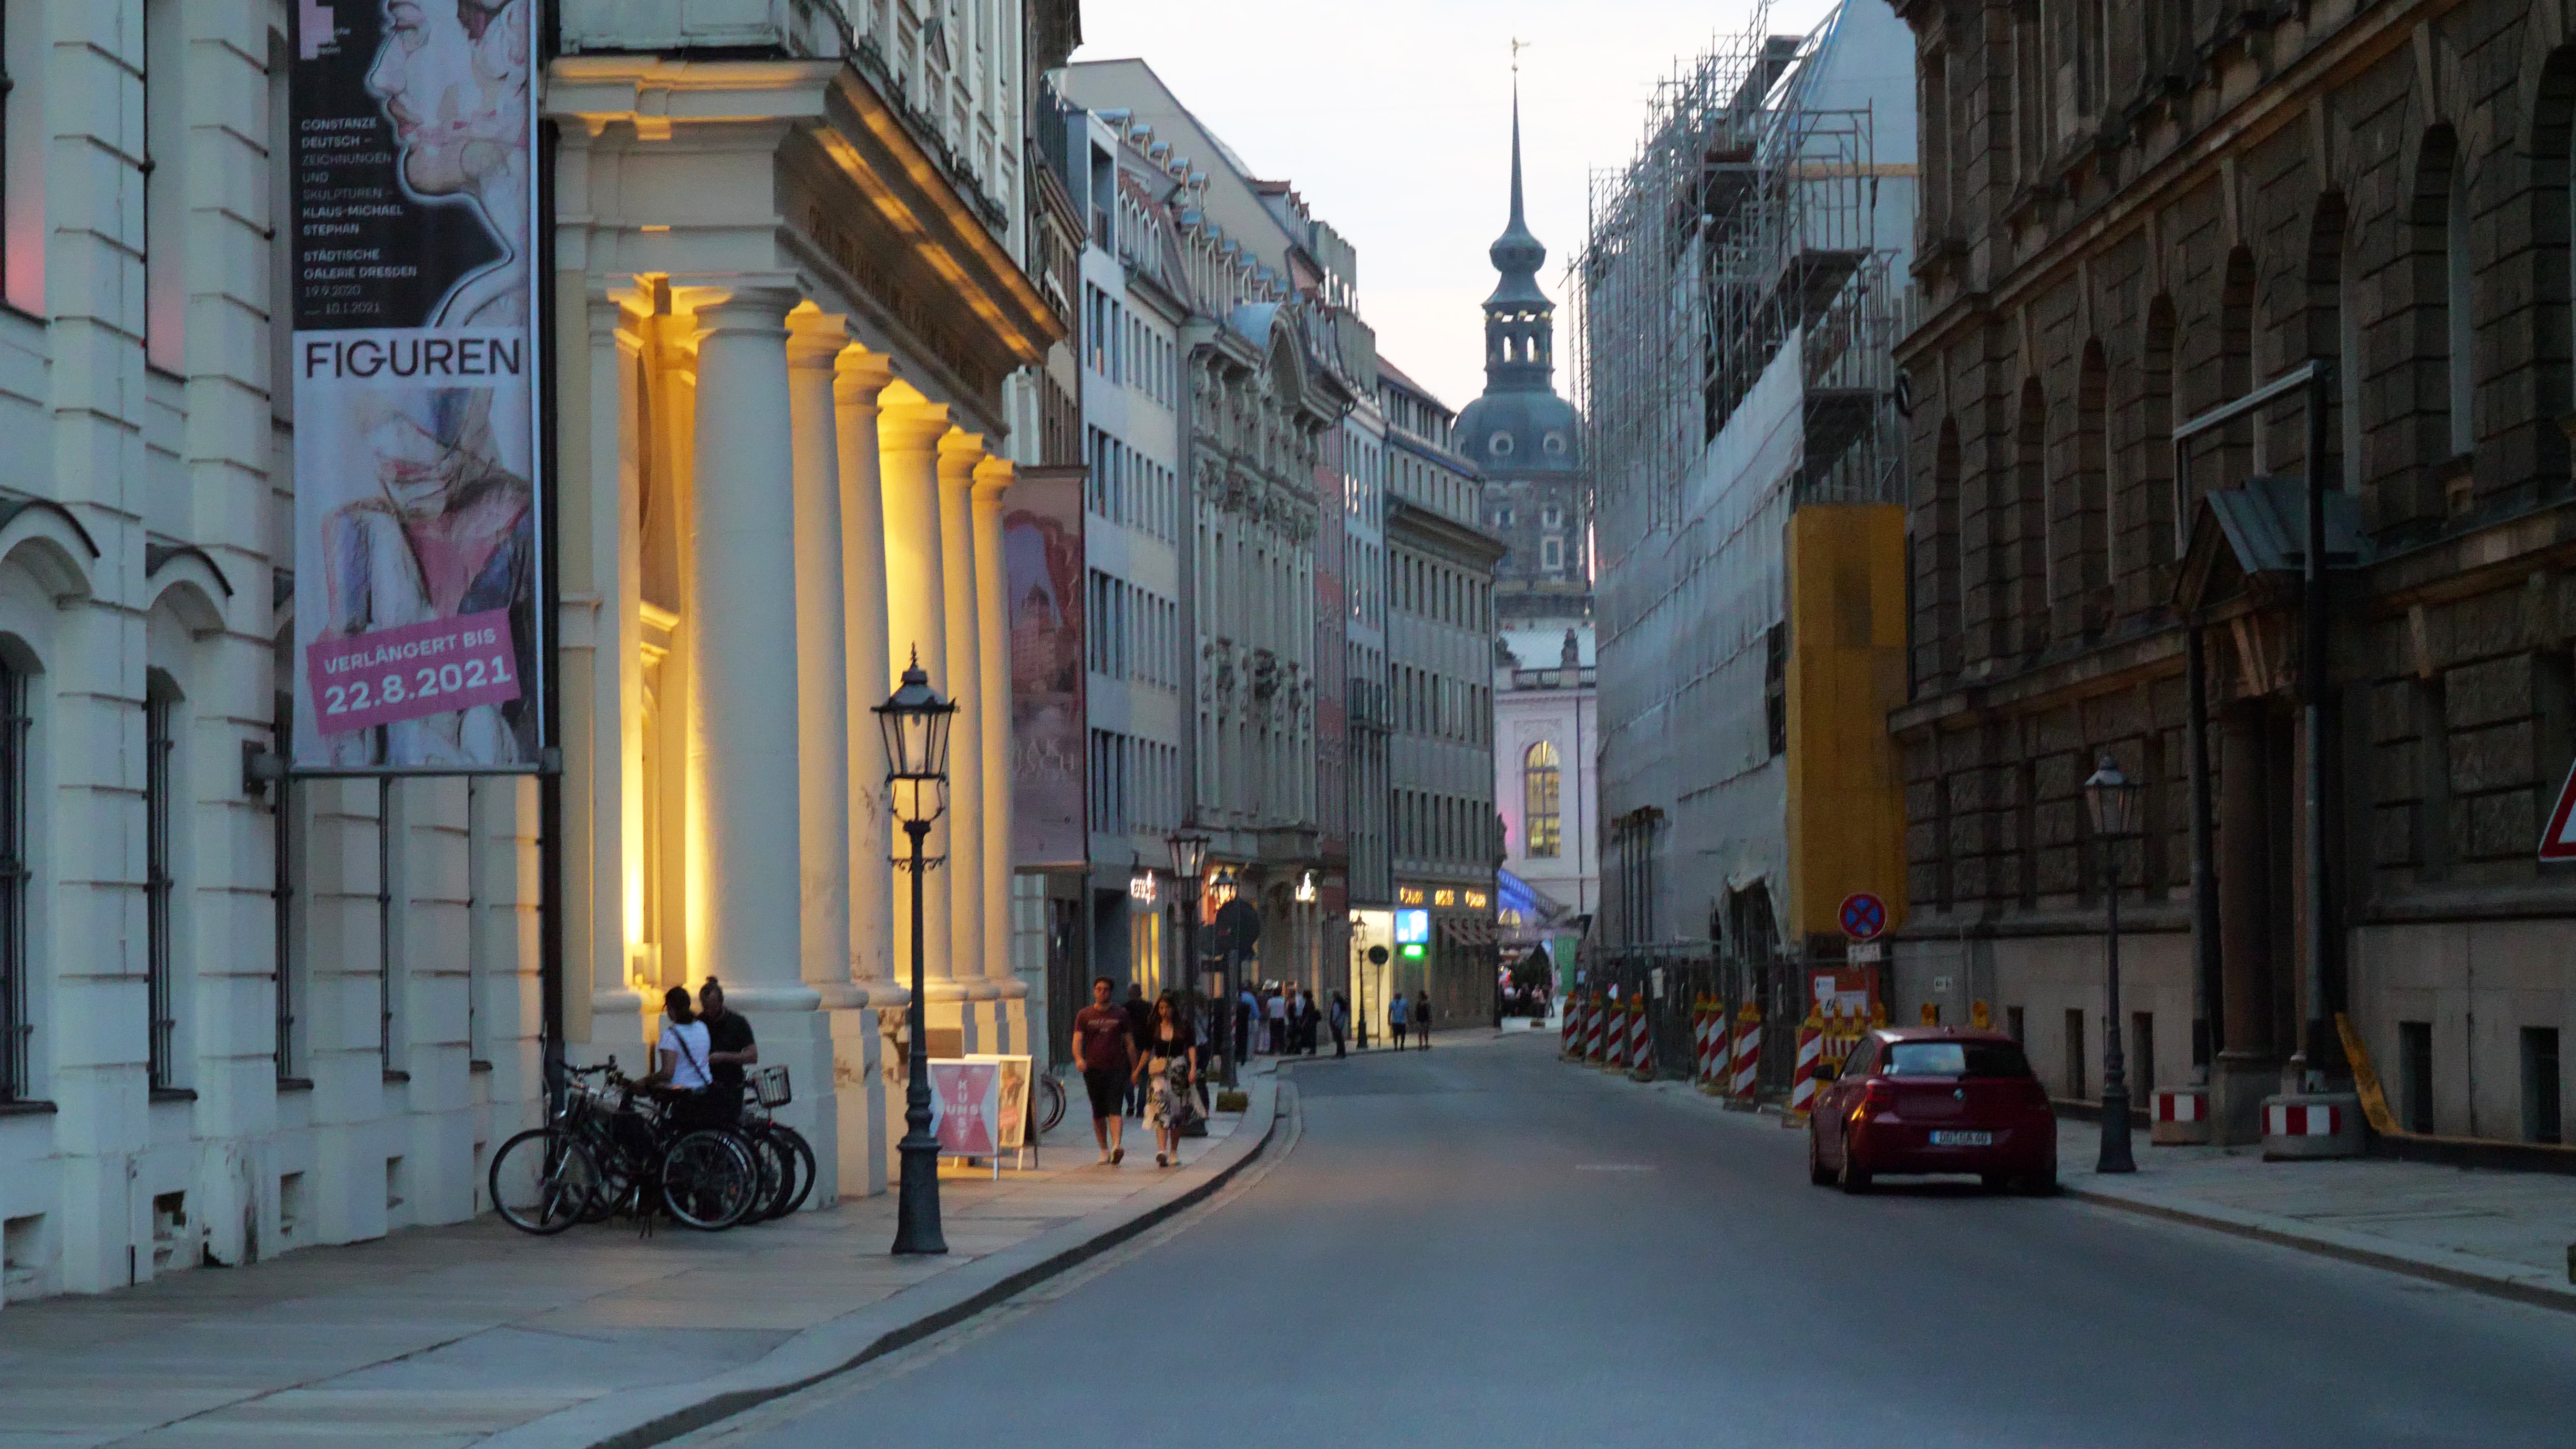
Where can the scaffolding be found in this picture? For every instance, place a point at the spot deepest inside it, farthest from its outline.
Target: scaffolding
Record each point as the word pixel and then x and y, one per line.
pixel 1748 219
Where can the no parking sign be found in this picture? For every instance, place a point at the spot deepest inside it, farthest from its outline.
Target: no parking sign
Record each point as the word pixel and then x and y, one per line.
pixel 1864 916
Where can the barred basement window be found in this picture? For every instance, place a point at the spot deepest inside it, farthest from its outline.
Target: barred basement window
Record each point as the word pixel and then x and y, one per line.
pixel 17 1031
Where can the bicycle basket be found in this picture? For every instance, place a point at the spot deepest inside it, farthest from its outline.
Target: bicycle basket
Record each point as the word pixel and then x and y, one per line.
pixel 771 1085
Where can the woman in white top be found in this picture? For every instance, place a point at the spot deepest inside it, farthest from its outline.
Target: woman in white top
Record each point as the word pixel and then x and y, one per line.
pixel 681 1054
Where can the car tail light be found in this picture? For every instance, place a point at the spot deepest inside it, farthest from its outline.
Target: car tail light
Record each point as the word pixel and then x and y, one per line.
pixel 1879 1097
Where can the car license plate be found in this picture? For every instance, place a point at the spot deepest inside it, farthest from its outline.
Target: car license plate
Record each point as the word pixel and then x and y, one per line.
pixel 1963 1139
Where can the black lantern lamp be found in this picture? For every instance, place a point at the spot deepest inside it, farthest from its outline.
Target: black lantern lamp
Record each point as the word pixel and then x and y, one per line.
pixel 915 725
pixel 2111 799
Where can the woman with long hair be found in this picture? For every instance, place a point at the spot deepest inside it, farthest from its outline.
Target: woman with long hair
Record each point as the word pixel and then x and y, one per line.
pixel 1170 1067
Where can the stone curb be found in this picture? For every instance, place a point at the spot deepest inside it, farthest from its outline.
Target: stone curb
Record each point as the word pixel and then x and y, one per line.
pixel 635 1420
pixel 2439 1265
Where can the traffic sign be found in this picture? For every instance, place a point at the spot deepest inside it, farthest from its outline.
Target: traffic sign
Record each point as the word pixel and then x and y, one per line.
pixel 2558 842
pixel 1864 916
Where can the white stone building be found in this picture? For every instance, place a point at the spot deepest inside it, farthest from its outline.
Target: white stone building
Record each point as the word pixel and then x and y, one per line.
pixel 229 1028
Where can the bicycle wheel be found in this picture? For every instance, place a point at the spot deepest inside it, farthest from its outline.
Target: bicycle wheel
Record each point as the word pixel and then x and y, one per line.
pixel 800 1173
pixel 709 1180
pixel 1050 1101
pixel 543 1181
pixel 776 1171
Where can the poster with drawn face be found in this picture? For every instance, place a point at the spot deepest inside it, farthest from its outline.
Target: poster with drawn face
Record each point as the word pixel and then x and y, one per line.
pixel 418 560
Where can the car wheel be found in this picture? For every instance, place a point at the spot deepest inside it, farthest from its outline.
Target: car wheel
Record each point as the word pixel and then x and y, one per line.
pixel 2042 1182
pixel 1816 1172
pixel 1852 1180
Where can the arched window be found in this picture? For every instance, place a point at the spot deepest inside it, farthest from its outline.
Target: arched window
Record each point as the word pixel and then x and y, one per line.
pixel 1541 775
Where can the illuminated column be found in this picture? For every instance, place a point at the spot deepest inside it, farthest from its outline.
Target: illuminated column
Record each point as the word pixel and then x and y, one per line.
pixel 822 653
pixel 909 428
pixel 744 683
pixel 993 626
pixel 867 1132
pixel 959 454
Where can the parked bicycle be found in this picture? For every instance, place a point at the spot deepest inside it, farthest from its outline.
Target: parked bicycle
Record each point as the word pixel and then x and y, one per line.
pixel 616 1150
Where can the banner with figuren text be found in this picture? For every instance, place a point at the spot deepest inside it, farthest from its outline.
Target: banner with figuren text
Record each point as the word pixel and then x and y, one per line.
pixel 419 565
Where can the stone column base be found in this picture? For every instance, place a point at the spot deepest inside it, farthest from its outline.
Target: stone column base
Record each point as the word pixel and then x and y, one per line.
pixel 859 1101
pixel 2238 1083
pixel 803 1042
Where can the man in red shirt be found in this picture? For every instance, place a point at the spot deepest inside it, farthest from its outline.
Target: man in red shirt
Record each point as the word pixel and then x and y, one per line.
pixel 1100 1053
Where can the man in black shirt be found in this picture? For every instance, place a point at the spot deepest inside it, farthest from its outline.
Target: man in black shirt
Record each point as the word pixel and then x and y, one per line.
pixel 730 1048
pixel 1138 1013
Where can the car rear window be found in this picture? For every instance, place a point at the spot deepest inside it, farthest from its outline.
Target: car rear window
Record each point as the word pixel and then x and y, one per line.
pixel 1955 1059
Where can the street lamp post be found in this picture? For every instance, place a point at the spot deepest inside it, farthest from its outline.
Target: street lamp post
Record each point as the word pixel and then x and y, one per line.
pixel 2112 799
pixel 1189 867
pixel 915 724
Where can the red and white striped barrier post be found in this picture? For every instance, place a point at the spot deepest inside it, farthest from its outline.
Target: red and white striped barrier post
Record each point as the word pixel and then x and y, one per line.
pixel 1802 1077
pixel 1703 1042
pixel 2325 1124
pixel 1614 1037
pixel 1570 1030
pixel 1745 1061
pixel 1641 1042
pixel 2181 1116
pixel 1594 1047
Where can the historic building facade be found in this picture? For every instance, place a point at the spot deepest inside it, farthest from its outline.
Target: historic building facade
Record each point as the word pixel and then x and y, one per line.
pixel 2131 216
pixel 240 1015
pixel 1444 837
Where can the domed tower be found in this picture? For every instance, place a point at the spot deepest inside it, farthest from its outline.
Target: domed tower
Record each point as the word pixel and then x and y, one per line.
pixel 1525 439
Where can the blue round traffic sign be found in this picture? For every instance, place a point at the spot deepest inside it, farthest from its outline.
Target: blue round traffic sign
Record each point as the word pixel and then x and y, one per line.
pixel 1864 916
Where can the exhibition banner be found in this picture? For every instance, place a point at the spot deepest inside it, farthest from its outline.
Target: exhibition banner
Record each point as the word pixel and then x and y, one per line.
pixel 418 558
pixel 1043 555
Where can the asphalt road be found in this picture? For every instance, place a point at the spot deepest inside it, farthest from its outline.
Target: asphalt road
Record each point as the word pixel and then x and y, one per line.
pixel 1478 1246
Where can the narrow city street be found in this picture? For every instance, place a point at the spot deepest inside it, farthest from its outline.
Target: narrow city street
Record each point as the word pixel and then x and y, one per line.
pixel 1480 1246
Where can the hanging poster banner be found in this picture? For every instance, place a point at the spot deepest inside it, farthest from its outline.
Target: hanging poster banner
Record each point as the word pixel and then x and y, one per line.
pixel 1042 549
pixel 417 554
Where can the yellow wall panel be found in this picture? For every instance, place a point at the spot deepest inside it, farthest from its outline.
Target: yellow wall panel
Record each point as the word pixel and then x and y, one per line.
pixel 1846 671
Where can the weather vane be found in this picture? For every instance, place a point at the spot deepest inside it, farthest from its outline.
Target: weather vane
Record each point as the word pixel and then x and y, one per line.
pixel 1519 45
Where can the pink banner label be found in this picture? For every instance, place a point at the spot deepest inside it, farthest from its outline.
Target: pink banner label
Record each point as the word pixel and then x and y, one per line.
pixel 412 671
pixel 963 1099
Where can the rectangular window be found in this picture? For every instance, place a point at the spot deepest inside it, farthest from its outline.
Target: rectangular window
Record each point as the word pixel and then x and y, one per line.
pixel 2540 1084
pixel 165 173
pixel 2075 1053
pixel 2142 1056
pixel 2415 1075
pixel 158 744
pixel 282 889
pixel 17 1029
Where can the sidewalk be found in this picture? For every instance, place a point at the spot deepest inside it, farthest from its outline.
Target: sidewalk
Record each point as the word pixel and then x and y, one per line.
pixel 2504 1233
pixel 447 1336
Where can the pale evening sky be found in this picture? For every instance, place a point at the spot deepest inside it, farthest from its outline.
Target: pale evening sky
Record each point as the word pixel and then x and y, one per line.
pixel 1393 119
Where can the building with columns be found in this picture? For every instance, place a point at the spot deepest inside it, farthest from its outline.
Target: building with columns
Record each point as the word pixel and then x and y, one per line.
pixel 784 396
pixel 792 336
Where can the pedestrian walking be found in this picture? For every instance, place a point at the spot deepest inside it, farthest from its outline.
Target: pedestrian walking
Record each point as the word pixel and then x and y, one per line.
pixel 1278 1016
pixel 1341 1020
pixel 1101 1038
pixel 1246 1007
pixel 1309 1026
pixel 1170 1071
pixel 1422 1019
pixel 1139 1011
pixel 1396 1008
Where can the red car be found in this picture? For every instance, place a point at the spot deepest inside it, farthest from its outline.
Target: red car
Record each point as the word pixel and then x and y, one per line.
pixel 1933 1099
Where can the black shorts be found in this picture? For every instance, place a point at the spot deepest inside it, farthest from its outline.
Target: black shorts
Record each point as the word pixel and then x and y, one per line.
pixel 1108 1090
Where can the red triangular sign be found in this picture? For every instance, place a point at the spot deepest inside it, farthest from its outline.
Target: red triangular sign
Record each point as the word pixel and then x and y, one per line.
pixel 2558 842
